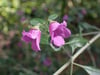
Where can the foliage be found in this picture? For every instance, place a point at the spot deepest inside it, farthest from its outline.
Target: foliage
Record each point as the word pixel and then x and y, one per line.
pixel 17 58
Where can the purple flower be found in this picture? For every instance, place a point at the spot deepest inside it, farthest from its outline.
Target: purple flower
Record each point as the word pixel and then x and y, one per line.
pixel 20 12
pixel 58 32
pixel 65 17
pixel 32 36
pixel 22 19
pixel 19 44
pixel 47 62
pixel 83 11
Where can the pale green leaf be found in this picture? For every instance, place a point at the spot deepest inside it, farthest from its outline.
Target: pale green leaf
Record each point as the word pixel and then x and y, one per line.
pixel 52 17
pixel 90 70
pixel 77 42
pixel 88 26
pixel 36 21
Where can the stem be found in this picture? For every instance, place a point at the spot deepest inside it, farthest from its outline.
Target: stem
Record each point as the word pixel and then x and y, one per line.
pixel 62 68
pixel 77 65
pixel 85 34
pixel 63 7
pixel 77 54
pixel 71 42
pixel 87 45
pixel 71 71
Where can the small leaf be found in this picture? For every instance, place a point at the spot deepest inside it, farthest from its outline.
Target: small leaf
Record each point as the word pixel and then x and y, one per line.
pixel 77 42
pixel 90 70
pixel 36 21
pixel 52 17
pixel 88 26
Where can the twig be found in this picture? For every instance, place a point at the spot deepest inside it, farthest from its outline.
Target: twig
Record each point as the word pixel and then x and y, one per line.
pixel 77 54
pixel 84 34
pixel 71 71
pixel 89 33
pixel 77 65
pixel 62 68
pixel 84 47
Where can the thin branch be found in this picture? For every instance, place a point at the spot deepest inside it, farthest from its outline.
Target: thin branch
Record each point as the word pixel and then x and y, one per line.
pixel 89 33
pixel 84 47
pixel 78 65
pixel 77 54
pixel 62 68
pixel 71 71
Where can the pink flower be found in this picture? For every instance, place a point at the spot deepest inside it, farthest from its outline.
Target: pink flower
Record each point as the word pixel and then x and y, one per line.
pixel 58 32
pixel 47 62
pixel 32 36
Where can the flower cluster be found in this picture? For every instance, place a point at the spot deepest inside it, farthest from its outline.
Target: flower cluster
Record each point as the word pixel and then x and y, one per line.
pixel 58 32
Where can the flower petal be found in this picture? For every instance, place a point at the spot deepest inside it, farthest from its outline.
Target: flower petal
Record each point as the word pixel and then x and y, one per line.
pixel 64 23
pixel 35 46
pixel 62 31
pixel 35 42
pixel 34 33
pixel 67 33
pixel 26 37
pixel 58 41
pixel 53 26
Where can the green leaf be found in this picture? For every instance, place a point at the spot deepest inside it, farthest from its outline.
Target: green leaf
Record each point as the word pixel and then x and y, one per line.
pixel 90 70
pixel 52 17
pixel 76 43
pixel 88 26
pixel 37 21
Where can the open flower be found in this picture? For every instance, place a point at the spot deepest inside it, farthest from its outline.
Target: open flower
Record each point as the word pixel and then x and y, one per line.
pixel 32 36
pixel 58 32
